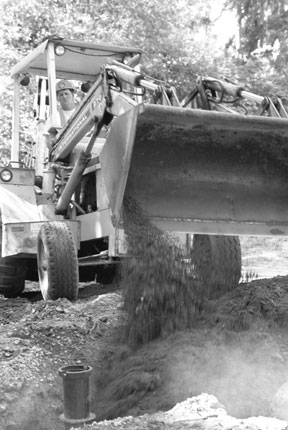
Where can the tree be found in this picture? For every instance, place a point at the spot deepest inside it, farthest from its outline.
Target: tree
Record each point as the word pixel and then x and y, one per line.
pixel 175 37
pixel 263 27
pixel 261 52
pixel 166 32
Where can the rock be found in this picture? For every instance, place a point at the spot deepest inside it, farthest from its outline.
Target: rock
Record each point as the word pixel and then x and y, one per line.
pixel 120 306
pixel 3 407
pixel 279 403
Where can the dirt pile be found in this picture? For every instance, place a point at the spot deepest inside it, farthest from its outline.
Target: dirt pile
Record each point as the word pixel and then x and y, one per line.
pixel 243 370
pixel 39 338
pixel 241 360
pixel 236 350
pixel 260 304
pixel 243 367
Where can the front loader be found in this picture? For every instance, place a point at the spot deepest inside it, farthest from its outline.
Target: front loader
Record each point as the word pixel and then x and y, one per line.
pixel 205 166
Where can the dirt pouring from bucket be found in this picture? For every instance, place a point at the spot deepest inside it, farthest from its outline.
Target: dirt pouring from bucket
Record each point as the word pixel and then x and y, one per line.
pixel 160 294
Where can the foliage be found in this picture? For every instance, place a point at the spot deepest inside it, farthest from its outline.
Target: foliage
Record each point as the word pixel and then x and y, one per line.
pixel 263 32
pixel 164 30
pixel 176 37
pixel 261 22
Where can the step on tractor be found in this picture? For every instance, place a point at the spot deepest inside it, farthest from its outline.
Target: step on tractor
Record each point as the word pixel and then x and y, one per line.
pixel 208 168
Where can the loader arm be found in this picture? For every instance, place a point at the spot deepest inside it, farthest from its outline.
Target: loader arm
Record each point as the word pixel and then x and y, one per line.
pixel 222 95
pixel 106 95
pixel 105 101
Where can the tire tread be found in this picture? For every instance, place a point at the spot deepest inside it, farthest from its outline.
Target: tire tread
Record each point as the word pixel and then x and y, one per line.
pixel 58 243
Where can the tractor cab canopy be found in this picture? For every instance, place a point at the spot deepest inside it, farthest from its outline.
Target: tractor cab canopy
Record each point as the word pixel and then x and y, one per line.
pixel 71 59
pixel 57 59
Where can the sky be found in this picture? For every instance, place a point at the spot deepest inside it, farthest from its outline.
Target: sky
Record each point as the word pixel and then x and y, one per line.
pixel 225 26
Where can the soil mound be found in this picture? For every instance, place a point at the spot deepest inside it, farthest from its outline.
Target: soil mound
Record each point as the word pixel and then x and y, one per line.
pixel 258 304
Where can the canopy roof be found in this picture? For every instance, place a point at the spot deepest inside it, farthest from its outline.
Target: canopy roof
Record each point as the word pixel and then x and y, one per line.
pixel 81 60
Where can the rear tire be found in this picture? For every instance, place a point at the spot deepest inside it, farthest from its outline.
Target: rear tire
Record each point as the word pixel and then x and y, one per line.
pixel 217 263
pixel 57 262
pixel 12 274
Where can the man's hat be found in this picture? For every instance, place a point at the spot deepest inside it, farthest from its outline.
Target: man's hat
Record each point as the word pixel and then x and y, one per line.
pixel 64 85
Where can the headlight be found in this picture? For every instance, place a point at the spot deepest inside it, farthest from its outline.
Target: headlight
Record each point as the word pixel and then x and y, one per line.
pixel 59 50
pixel 6 175
pixel 25 81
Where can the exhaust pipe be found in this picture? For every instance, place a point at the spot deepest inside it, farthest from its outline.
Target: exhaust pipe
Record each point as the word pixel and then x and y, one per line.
pixel 76 396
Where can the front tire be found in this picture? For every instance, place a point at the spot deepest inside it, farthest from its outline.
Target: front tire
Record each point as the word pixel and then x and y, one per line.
pixel 217 263
pixel 57 262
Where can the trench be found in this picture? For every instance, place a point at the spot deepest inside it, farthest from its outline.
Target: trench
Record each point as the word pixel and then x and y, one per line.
pixel 177 344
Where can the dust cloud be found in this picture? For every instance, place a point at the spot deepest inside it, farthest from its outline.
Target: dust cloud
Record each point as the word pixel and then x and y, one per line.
pixel 243 370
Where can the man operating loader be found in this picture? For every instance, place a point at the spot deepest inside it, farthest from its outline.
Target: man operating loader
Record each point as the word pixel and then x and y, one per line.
pixel 65 95
pixel 65 92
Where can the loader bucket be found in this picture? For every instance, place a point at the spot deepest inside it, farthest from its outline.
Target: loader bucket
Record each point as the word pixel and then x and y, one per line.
pixel 200 171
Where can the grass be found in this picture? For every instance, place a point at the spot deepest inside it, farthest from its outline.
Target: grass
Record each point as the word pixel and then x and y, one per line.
pixel 249 276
